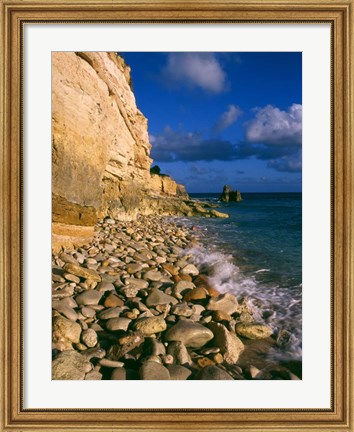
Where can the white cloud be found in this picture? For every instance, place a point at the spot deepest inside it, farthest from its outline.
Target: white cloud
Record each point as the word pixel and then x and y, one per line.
pixel 228 118
pixel 273 126
pixel 195 70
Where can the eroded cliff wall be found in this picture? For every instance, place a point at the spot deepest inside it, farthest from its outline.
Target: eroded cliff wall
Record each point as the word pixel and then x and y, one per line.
pixel 100 150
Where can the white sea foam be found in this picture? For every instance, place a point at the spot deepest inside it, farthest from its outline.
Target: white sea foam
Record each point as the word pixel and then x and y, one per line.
pixel 277 306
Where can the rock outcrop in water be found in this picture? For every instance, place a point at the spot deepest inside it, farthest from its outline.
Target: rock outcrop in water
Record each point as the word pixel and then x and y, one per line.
pixel 101 150
pixel 228 194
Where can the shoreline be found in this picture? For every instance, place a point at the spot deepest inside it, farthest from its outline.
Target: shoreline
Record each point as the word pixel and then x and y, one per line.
pixel 132 305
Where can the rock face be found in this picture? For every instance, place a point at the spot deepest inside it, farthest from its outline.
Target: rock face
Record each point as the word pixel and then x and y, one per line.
pixel 228 194
pixel 101 150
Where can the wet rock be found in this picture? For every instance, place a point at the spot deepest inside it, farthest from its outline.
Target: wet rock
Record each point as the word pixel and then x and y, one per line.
pixel 253 331
pixel 195 294
pixel 253 371
pixel 191 334
pixel 221 316
pixel 173 271
pixel 226 303
pixel 181 288
pixel 190 269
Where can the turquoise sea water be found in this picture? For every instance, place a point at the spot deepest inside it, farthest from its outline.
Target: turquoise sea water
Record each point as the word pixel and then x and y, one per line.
pixel 257 252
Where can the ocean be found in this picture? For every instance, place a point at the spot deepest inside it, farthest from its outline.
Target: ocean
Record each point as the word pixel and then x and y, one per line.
pixel 257 253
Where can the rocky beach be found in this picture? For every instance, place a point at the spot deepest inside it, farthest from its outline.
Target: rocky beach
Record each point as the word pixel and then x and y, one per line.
pixel 130 300
pixel 131 304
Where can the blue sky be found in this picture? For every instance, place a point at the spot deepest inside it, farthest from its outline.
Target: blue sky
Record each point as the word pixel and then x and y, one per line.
pixel 223 118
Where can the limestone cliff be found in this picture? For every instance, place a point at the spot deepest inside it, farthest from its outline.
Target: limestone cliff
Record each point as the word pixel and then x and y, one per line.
pixel 100 150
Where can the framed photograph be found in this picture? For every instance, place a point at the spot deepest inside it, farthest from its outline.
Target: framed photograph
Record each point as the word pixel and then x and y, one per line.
pixel 180 175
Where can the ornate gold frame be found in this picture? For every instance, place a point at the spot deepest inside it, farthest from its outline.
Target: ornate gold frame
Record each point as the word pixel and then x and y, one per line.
pixel 339 13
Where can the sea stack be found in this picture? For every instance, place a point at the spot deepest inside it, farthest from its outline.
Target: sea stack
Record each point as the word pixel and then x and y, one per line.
pixel 228 194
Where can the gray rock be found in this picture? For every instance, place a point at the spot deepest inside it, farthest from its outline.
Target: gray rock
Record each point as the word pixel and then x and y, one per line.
pixel 66 291
pixel 69 301
pixel 88 298
pixel 67 311
pixel 226 303
pixel 157 297
pixel 115 324
pixel 109 313
pixel 64 329
pixel 178 372
pixel 182 309
pixel 68 258
pixel 153 276
pixel 151 370
pixel 105 286
pixel 191 334
pixel 70 365
pixel 150 325
pixel 134 268
pixel 213 373
pixel 88 312
pixel 230 345
pixel 72 278
pixel 179 352
pixel 110 363
pixel 154 347
pixel 137 283
pixel 124 374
